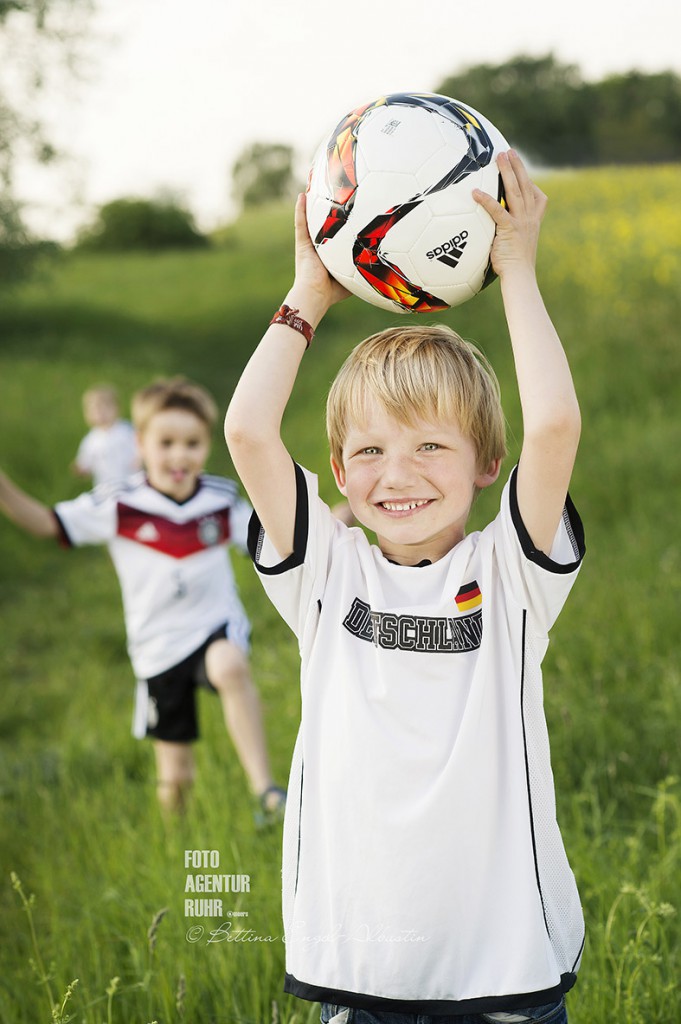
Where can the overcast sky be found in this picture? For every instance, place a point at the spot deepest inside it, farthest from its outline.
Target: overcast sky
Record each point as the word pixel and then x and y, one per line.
pixel 178 87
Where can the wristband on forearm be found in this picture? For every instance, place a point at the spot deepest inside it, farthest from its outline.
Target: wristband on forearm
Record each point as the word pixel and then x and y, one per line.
pixel 288 316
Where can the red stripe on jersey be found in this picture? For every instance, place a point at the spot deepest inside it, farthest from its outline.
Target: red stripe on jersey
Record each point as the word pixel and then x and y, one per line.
pixel 179 540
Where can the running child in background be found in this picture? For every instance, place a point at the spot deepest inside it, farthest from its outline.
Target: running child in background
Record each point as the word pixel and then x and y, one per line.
pixel 167 530
pixel 108 452
pixel 424 870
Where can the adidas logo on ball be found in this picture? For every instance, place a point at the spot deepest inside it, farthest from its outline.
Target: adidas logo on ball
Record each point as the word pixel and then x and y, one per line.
pixel 449 252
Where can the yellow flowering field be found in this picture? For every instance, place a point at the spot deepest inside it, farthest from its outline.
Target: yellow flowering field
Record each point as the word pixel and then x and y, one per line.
pixel 613 232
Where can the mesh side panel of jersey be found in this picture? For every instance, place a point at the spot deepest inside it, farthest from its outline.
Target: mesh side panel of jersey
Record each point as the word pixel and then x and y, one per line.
pixel 560 899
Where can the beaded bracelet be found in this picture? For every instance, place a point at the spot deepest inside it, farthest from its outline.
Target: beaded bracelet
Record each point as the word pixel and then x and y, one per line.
pixel 288 316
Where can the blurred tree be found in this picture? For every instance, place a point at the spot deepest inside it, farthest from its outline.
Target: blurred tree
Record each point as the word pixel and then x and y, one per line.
pixel 142 224
pixel 263 172
pixel 539 104
pixel 547 110
pixel 638 118
pixel 35 37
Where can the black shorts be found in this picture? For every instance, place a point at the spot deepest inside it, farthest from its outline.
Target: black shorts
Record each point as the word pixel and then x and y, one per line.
pixel 165 705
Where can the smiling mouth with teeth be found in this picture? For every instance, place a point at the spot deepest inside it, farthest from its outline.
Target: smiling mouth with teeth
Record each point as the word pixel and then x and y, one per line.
pixel 403 506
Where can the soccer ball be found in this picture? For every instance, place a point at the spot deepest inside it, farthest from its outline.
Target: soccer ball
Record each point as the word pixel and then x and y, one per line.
pixel 389 203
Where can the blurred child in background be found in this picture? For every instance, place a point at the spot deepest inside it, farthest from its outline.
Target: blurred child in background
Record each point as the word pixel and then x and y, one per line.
pixel 167 530
pixel 108 452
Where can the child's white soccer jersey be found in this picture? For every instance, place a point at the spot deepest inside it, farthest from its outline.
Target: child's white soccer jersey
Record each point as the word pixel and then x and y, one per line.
pixel 175 575
pixel 110 453
pixel 424 870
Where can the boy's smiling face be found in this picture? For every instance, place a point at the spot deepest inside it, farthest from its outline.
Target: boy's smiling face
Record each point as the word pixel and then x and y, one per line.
pixel 174 447
pixel 411 484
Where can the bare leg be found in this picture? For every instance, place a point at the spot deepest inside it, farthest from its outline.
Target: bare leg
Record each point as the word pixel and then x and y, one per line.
pixel 228 670
pixel 174 774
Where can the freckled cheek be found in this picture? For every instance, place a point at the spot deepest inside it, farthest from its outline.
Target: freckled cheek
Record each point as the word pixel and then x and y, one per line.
pixel 359 485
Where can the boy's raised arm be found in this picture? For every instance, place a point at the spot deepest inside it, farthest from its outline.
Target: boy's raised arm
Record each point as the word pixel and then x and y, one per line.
pixel 551 418
pixel 255 413
pixel 27 512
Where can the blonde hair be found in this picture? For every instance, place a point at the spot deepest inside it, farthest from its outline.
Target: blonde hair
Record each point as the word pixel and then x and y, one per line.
pixel 419 372
pixel 106 391
pixel 173 393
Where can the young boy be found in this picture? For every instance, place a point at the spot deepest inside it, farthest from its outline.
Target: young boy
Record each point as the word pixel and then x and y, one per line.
pixel 108 452
pixel 424 872
pixel 167 532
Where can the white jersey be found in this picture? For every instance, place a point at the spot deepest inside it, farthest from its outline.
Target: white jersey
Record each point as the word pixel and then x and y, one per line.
pixel 171 559
pixel 424 870
pixel 109 454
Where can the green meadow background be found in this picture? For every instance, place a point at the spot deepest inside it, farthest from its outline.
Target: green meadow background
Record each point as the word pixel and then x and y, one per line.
pixel 94 865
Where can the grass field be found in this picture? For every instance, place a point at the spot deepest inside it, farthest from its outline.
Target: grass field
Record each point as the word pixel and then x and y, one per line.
pixel 80 828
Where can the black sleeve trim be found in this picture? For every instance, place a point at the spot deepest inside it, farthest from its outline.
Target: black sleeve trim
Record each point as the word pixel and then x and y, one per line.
pixel 573 524
pixel 62 536
pixel 256 534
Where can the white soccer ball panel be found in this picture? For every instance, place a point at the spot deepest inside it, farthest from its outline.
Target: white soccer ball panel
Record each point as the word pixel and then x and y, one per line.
pixel 316 209
pixel 336 255
pixel 379 193
pixel 393 138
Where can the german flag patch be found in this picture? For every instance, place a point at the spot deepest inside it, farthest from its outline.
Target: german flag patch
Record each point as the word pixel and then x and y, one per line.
pixel 469 596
